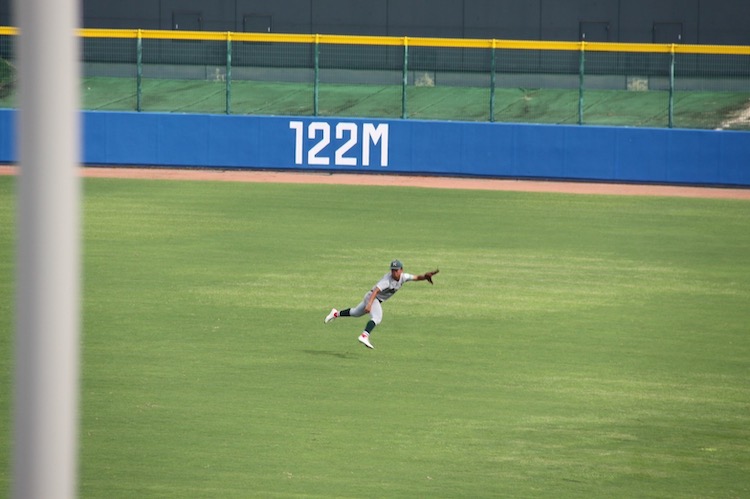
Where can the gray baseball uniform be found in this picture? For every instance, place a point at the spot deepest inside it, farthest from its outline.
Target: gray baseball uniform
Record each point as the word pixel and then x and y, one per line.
pixel 388 287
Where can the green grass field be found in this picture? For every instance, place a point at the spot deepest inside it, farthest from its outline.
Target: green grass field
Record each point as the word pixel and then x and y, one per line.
pixel 572 346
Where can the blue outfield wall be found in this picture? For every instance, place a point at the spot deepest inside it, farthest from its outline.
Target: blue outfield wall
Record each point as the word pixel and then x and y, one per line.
pixel 612 154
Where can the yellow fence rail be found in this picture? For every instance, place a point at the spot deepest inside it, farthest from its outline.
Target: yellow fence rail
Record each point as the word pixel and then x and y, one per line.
pixel 663 48
pixel 408 63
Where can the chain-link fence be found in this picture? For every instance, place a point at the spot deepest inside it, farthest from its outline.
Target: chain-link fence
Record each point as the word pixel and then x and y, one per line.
pixel 690 86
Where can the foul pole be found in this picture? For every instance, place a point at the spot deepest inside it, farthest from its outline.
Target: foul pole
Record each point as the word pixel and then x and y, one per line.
pixel 45 415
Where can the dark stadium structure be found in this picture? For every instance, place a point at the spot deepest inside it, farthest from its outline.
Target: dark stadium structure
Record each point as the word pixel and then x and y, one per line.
pixel 720 22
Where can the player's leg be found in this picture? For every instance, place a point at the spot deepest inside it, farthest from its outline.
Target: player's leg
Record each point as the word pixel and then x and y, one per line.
pixel 376 316
pixel 357 311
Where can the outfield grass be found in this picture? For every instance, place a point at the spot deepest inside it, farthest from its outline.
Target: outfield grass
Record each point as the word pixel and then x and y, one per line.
pixel 572 346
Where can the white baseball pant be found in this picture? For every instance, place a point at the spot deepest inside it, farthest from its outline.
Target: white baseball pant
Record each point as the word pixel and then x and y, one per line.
pixel 376 312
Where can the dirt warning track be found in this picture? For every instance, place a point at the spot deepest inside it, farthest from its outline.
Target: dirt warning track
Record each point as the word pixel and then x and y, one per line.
pixel 408 181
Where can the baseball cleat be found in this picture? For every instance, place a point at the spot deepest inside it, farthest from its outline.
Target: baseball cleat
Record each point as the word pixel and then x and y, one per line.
pixel 334 313
pixel 364 338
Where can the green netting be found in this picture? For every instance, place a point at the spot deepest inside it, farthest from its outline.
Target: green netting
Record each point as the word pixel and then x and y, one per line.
pixel 626 88
pixel 7 71
pixel 417 82
pixel 448 82
pixel 109 74
pixel 360 81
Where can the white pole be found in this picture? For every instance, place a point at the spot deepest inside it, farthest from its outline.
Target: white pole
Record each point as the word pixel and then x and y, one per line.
pixel 48 254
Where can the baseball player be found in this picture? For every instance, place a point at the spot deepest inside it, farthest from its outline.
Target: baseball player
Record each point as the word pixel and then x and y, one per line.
pixel 371 303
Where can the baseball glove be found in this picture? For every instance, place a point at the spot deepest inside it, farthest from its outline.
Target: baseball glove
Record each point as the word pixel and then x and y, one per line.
pixel 428 275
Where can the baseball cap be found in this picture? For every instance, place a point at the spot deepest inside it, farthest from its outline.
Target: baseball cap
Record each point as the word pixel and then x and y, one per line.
pixel 396 264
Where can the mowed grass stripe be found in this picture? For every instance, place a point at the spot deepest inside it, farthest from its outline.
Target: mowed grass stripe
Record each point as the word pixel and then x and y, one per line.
pixel 571 346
